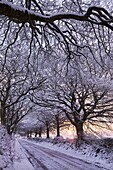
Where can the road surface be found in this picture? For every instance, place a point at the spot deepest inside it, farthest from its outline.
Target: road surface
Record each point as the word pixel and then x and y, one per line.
pixel 47 159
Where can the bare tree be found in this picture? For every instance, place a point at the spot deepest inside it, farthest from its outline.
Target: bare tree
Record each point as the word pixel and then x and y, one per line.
pixel 46 117
pixel 46 24
pixel 72 30
pixel 96 15
pixel 16 82
pixel 81 96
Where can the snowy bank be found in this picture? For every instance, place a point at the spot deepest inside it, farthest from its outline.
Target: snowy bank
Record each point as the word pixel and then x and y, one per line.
pixel 6 149
pixel 21 161
pixel 98 151
pixel 12 157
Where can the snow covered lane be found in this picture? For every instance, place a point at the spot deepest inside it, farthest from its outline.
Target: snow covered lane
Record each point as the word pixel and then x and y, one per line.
pixel 47 159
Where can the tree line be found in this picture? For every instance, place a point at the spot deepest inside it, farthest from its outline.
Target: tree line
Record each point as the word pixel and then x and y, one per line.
pixel 56 57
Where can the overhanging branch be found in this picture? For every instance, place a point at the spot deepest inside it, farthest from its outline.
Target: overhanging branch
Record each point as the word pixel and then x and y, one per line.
pixel 94 15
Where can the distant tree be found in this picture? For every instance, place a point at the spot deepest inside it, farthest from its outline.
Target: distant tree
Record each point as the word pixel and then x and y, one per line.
pixel 60 122
pixel 82 97
pixel 15 114
pixel 46 117
pixel 16 82
pixel 29 125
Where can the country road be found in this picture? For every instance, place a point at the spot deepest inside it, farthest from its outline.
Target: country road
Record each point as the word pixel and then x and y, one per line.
pixel 47 159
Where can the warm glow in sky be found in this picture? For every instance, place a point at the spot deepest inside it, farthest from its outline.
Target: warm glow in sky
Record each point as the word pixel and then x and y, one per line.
pixel 69 132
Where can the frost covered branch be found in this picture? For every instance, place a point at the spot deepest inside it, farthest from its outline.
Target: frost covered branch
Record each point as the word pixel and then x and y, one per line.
pixel 94 15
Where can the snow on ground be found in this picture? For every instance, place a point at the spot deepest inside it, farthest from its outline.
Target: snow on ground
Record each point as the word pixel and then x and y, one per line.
pixel 6 149
pixel 21 161
pixel 12 157
pixel 93 154
pixel 98 152
pixel 48 159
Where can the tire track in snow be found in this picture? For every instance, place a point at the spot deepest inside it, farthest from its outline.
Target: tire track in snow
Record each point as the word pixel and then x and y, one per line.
pixel 36 160
pixel 65 162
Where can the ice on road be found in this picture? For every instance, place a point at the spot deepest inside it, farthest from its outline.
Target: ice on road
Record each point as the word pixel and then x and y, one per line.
pixel 43 158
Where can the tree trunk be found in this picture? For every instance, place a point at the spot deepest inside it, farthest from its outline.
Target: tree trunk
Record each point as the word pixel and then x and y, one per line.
pixel 9 131
pixel 80 133
pixel 2 115
pixel 47 129
pixel 30 133
pixel 40 132
pixel 47 132
pixel 27 133
pixel 36 133
pixel 58 126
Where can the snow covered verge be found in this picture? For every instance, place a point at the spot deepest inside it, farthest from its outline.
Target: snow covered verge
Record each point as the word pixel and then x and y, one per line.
pixel 98 151
pixel 6 149
pixel 12 157
pixel 20 160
